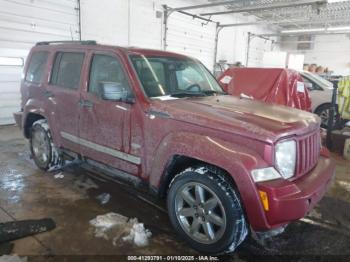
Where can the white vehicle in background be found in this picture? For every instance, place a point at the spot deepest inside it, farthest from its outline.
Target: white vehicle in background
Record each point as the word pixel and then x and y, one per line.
pixel 320 91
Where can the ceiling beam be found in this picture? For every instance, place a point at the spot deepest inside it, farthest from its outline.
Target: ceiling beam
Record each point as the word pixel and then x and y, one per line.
pixel 282 23
pixel 268 7
pixel 191 7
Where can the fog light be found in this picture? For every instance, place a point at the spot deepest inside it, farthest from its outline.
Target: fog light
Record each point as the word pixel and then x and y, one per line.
pixel 264 200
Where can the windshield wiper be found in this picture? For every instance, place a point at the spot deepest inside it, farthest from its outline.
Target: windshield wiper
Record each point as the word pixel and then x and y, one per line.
pixel 212 92
pixel 187 93
pixel 199 93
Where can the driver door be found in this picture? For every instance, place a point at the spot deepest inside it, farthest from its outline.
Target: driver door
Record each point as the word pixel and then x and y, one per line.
pixel 105 125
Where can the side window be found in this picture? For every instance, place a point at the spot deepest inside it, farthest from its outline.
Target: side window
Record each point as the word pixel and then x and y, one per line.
pixel 105 68
pixel 67 69
pixel 37 66
pixel 310 85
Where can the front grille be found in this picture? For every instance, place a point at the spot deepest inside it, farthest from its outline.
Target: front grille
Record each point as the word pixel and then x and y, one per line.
pixel 308 148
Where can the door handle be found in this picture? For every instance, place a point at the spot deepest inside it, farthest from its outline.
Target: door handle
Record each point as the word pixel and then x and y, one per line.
pixel 48 94
pixel 85 103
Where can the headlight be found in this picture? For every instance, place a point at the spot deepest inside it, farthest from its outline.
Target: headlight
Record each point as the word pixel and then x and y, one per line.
pixel 285 158
pixel 265 174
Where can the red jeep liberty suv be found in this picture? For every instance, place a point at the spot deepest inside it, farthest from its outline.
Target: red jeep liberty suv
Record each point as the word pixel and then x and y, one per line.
pixel 226 166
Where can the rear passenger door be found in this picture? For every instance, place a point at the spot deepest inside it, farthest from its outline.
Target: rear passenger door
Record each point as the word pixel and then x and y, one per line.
pixel 63 97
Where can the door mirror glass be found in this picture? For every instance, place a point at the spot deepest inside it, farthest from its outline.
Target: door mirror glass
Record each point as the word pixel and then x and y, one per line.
pixel 115 92
pixel 309 86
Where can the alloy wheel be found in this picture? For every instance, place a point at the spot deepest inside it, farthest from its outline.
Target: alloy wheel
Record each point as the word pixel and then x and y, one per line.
pixel 40 145
pixel 200 213
pixel 324 115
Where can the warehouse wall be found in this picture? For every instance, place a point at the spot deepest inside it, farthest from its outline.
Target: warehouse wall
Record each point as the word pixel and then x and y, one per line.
pixel 121 22
pixel 233 44
pixel 23 23
pixel 139 23
pixel 330 51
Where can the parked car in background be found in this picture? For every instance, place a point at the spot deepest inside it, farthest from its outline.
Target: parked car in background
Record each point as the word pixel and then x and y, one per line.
pixel 270 85
pixel 301 90
pixel 226 166
pixel 321 91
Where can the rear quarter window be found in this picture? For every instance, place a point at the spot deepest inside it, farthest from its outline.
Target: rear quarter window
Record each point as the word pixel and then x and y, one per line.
pixel 67 70
pixel 37 65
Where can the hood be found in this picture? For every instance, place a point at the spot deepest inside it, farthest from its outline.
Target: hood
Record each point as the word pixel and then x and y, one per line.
pixel 241 116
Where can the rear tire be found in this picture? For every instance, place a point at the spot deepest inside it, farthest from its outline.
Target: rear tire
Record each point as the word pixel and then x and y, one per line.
pixel 43 150
pixel 323 112
pixel 205 210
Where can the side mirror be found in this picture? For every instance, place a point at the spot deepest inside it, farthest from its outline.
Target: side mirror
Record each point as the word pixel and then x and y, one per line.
pixel 113 91
pixel 309 85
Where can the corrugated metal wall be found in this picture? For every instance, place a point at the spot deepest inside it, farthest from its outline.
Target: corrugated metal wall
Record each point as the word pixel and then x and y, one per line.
pixel 258 46
pixel 22 24
pixel 139 23
pixel 192 37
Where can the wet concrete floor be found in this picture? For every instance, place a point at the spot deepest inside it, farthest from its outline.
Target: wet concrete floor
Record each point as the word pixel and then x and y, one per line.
pixel 29 193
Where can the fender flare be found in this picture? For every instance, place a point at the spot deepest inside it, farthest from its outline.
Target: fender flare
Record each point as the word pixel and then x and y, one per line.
pixel 35 106
pixel 235 159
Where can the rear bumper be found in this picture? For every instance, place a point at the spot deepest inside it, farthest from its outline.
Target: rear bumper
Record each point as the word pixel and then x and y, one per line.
pixel 292 200
pixel 18 118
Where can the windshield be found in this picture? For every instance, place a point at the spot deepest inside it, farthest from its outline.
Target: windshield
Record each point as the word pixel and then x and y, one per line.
pixel 174 77
pixel 319 80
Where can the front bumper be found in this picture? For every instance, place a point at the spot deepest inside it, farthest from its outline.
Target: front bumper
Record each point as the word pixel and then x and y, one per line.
pixel 292 200
pixel 18 118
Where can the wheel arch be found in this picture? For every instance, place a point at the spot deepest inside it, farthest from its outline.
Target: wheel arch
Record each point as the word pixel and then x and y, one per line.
pixel 28 122
pixel 179 163
pixel 322 105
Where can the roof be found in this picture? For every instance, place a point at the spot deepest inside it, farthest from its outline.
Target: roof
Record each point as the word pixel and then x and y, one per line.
pixel 88 44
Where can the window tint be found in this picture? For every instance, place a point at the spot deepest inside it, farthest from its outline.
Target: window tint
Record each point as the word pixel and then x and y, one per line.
pixel 36 67
pixel 67 69
pixel 189 76
pixel 172 76
pixel 152 75
pixel 106 68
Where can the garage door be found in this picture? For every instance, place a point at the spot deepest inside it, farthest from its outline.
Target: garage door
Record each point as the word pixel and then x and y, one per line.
pixel 258 46
pixel 192 37
pixel 22 24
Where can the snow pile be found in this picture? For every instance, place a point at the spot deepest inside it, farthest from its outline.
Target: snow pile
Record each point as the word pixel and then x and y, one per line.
pixel 314 213
pixel 113 225
pixel 12 258
pixel 59 175
pixel 84 183
pixel 103 198
pixel 138 234
pixel 104 223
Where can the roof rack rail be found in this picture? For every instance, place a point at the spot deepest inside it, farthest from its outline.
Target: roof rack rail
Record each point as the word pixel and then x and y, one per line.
pixel 84 42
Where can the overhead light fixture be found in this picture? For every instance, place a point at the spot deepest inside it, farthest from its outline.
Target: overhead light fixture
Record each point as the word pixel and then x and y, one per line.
pixel 309 30
pixel 334 1
pixel 338 28
pixel 302 30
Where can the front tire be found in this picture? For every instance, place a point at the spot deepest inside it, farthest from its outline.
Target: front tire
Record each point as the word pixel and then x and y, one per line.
pixel 205 211
pixel 42 148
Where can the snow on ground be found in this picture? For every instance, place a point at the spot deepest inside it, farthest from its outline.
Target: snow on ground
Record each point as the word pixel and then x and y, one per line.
pixel 12 258
pixel 138 234
pixel 115 226
pixel 59 175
